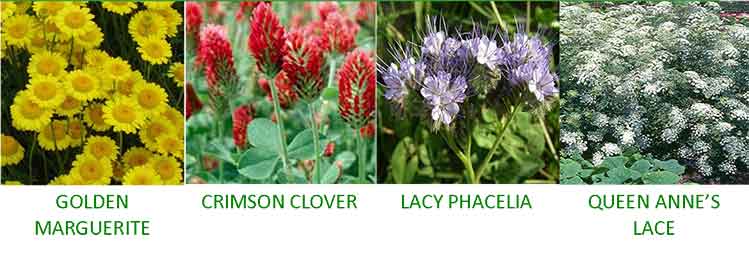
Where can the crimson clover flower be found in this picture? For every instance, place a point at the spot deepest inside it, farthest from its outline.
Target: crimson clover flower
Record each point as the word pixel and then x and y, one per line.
pixel 215 54
pixel 241 117
pixel 356 87
pixel 267 40
pixel 303 65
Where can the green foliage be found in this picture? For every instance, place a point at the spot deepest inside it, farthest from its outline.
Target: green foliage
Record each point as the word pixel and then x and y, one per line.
pixel 624 169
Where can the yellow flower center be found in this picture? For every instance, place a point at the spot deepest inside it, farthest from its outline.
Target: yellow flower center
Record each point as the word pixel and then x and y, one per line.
pixel 83 84
pixel 155 130
pixel 147 27
pixel 31 110
pixel 170 144
pixel 9 147
pixel 137 159
pixel 96 115
pixel 56 133
pixel 48 66
pixel 101 149
pixel 75 19
pixel 165 169
pixel 154 49
pixel 90 170
pixel 123 113
pixel 117 69
pixel 18 30
pixel 70 103
pixel 45 90
pixel 148 98
pixel 75 130
pixel 126 88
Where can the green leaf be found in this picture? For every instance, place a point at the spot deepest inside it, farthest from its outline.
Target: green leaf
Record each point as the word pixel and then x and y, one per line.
pixel 619 175
pixel 642 166
pixel 660 177
pixel 484 136
pixel 330 94
pixel 303 146
pixel 489 115
pixel 257 164
pixel 573 180
pixel 585 173
pixel 569 168
pixel 347 158
pixel 330 173
pixel 263 134
pixel 411 169
pixel 398 161
pixel 220 151
pixel 613 162
pixel 671 165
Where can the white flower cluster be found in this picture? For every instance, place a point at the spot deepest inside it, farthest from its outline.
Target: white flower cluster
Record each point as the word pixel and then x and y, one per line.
pixel 668 79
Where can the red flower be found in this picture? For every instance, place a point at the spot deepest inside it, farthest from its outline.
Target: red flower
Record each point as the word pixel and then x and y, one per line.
pixel 302 65
pixel 366 10
pixel 241 117
pixel 356 87
pixel 214 53
pixel 329 149
pixel 326 8
pixel 267 41
pixel 286 95
pixel 339 32
pixel 215 10
pixel 192 102
pixel 368 130
pixel 245 8
pixel 194 17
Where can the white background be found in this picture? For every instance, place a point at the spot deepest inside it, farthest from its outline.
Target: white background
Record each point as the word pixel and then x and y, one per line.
pixel 560 225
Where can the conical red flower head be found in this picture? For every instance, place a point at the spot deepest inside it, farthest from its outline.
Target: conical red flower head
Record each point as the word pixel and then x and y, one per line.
pixel 366 10
pixel 302 65
pixel 326 8
pixel 194 17
pixel 286 95
pixel 339 32
pixel 214 53
pixel 245 7
pixel 241 117
pixel 192 102
pixel 356 88
pixel 267 41
pixel 368 130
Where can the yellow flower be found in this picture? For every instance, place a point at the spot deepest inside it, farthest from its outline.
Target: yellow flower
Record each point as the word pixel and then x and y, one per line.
pixel 7 9
pixel 124 115
pixel 69 107
pixel 17 30
pixel 92 170
pixel 95 58
pixel 151 98
pixel 13 183
pixel 168 168
pixel 154 128
pixel 92 38
pixel 12 151
pixel 48 8
pixel 82 85
pixel 172 18
pixel 46 91
pixel 146 24
pixel 120 7
pixel 94 117
pixel 27 114
pixel 136 156
pixel 158 5
pixel 46 63
pixel 54 136
pixel 37 41
pixel 116 69
pixel 154 50
pixel 176 118
pixel 177 72
pixel 74 21
pixel 125 88
pixel 141 175
pixel 67 179
pixel 76 131
pixel 101 148
pixel 170 144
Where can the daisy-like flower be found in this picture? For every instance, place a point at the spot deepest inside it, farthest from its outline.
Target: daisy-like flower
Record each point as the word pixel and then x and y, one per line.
pixel 27 114
pixel 95 59
pixel 158 5
pixel 151 98
pixel 172 18
pixel 54 136
pixel 174 116
pixel 154 128
pixel 154 50
pixel 127 86
pixel 142 175
pixel 74 21
pixel 171 145
pixel 241 117
pixel 116 69
pixel 93 116
pixel 302 65
pixel 69 107
pixel 444 94
pixel 82 85
pixel 120 8
pixel 267 40
pixel 168 168
pixel 92 171
pixel 48 9
pixel 76 131
pixel 356 87
pixel 177 72
pixel 101 147
pixel 11 152
pixel 146 24
pixel 46 63
pixel 17 29
pixel 7 9
pixel 136 156
pixel 67 179
pixel 46 91
pixel 91 39
pixel 124 115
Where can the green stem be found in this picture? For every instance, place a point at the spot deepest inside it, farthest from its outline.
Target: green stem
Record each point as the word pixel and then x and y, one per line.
pixel 528 15
pixel 469 172
pixel 553 150
pixel 497 141
pixel 362 154
pixel 316 141
pixel 331 71
pixel 220 131
pixel 279 122
pixel 31 155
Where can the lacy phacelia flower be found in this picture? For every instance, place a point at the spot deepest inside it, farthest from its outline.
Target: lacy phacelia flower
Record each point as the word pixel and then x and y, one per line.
pixel 241 117
pixel 267 40
pixel 444 94
pixel 356 87
pixel 302 66
pixel 194 17
pixel 401 76
pixel 485 51
pixel 192 102
pixel 215 54
pixel 526 61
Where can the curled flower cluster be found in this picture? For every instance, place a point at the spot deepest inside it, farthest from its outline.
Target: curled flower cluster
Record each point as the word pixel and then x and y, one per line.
pixel 445 71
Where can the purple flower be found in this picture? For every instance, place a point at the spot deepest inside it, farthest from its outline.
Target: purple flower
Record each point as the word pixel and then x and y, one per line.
pixel 395 85
pixel 539 80
pixel 444 94
pixel 526 60
pixel 485 51
pixel 433 43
